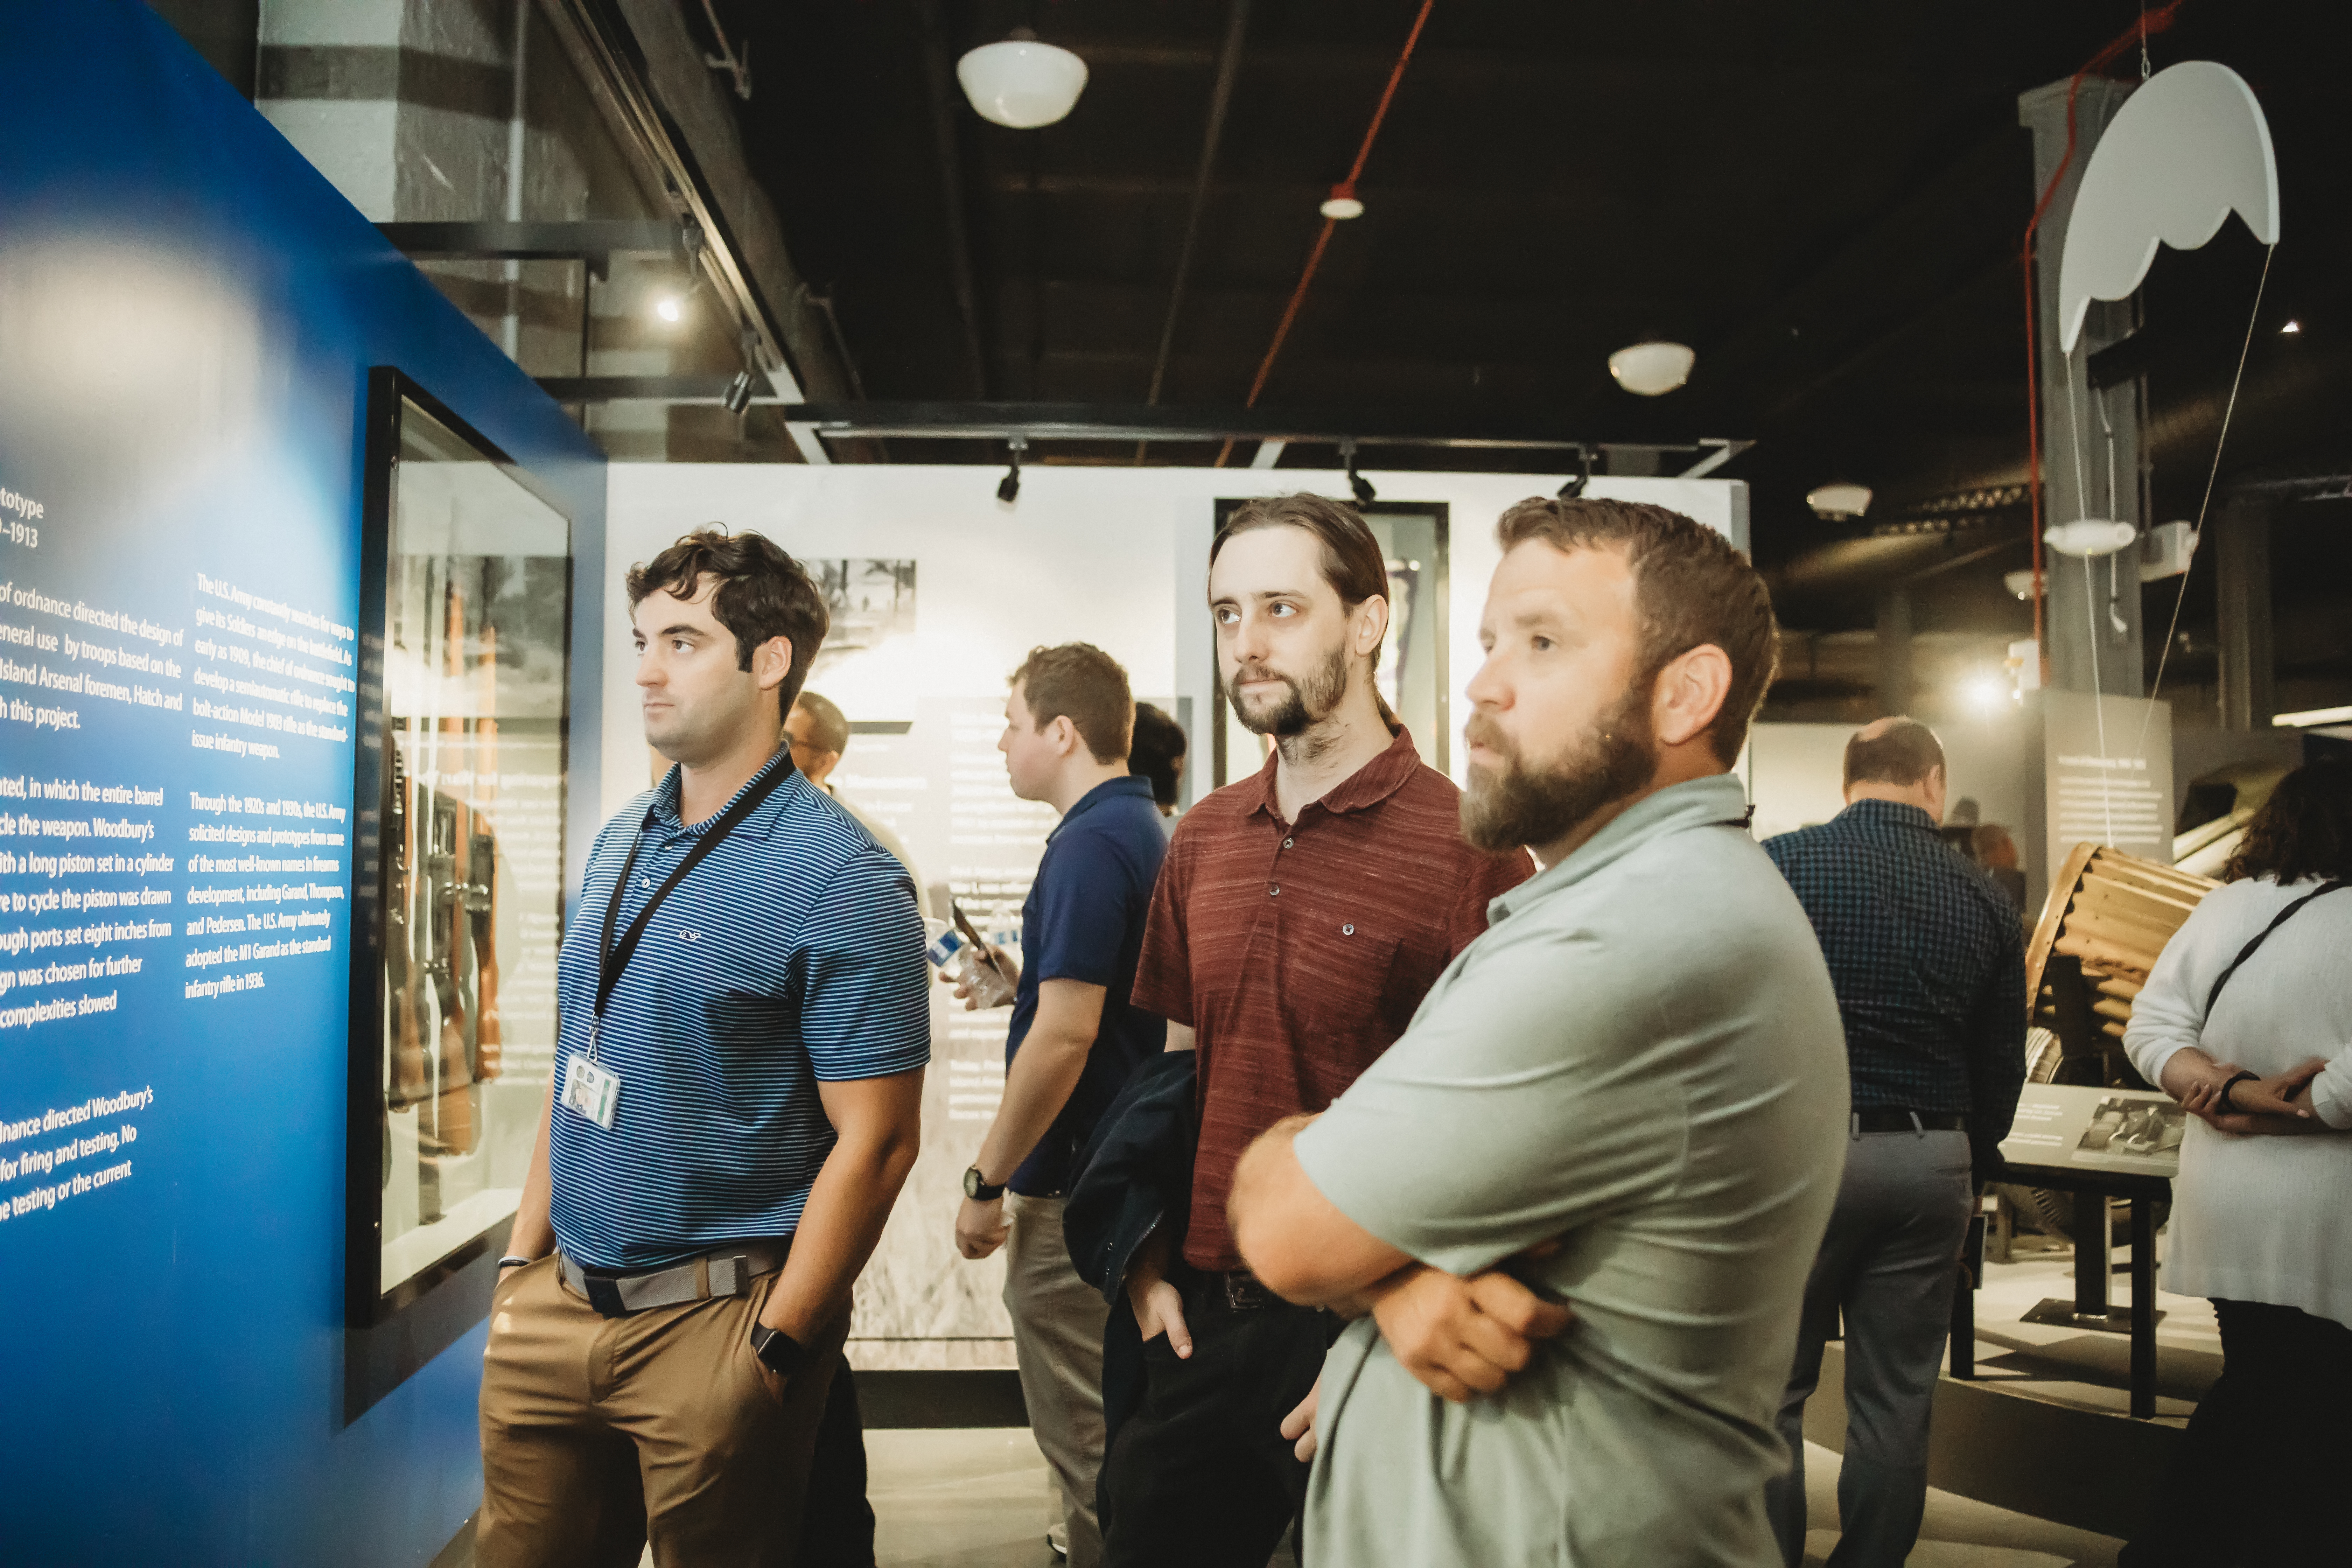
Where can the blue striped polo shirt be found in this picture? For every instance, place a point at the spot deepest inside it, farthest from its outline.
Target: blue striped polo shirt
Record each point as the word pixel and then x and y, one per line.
pixel 792 955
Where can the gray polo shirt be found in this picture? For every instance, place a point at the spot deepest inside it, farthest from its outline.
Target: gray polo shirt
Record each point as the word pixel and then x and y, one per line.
pixel 1641 1058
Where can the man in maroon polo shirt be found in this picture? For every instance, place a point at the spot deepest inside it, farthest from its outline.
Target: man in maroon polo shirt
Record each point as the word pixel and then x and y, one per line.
pixel 1299 919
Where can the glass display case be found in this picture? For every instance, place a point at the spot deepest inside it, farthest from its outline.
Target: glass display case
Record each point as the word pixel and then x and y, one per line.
pixel 466 666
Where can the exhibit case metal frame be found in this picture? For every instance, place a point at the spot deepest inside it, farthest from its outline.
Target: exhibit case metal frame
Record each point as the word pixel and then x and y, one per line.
pixel 398 1316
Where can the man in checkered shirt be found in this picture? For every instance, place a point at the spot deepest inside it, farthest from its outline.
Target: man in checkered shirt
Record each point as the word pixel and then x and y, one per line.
pixel 1929 967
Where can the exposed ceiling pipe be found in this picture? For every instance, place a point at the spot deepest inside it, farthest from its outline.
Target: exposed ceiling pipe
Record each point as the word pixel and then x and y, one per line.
pixel 1323 239
pixel 1855 565
pixel 1221 99
pixel 939 71
pixel 645 72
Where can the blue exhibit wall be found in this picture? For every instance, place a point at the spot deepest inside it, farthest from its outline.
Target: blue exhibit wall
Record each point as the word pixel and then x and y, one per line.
pixel 188 314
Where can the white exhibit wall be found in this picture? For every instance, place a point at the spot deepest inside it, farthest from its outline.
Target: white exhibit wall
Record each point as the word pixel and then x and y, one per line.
pixel 1117 557
pixel 1796 773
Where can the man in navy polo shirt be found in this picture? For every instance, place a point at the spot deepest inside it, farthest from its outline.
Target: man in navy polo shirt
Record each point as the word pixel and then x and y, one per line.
pixel 736 1103
pixel 1074 1039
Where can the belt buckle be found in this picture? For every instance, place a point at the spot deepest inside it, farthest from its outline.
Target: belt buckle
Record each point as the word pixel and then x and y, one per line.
pixel 603 1293
pixel 1244 1294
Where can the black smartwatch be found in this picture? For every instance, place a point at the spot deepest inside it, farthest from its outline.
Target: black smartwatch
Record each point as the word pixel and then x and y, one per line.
pixel 977 1189
pixel 778 1351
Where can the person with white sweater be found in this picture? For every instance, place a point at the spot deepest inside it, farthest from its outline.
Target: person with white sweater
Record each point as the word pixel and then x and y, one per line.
pixel 2247 1021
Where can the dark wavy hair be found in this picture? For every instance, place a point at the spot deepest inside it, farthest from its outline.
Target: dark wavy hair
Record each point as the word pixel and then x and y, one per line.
pixel 2303 831
pixel 763 593
pixel 1157 753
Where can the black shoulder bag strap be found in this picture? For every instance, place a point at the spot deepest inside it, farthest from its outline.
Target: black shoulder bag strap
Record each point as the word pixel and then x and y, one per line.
pixel 611 960
pixel 2248 950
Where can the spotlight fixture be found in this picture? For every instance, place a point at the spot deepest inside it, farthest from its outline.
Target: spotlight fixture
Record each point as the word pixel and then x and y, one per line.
pixel 1839 499
pixel 1341 204
pixel 1008 489
pixel 1021 83
pixel 669 307
pixel 2020 583
pixel 1652 369
pixel 1365 494
pixel 1581 478
pixel 737 396
pixel 2292 326
pixel 1986 693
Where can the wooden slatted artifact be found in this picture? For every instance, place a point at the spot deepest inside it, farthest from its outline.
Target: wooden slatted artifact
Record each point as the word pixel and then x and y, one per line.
pixel 2109 916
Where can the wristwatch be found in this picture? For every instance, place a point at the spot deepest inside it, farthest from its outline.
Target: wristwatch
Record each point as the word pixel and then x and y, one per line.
pixel 778 1351
pixel 977 1188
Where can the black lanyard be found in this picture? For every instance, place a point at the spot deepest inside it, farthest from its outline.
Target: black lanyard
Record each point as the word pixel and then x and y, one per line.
pixel 611 960
pixel 2263 936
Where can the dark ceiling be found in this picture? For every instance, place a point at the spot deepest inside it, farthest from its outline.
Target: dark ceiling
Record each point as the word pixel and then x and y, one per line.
pixel 1826 201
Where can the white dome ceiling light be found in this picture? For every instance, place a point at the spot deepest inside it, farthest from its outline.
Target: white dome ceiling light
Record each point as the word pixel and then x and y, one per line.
pixel 1021 83
pixel 1652 369
pixel 1839 499
pixel 2089 536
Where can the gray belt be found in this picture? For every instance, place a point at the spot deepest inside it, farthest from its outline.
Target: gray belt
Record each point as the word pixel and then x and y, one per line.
pixel 725 1271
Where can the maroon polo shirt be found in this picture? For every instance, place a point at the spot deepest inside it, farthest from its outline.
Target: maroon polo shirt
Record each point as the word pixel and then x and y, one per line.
pixel 1297 952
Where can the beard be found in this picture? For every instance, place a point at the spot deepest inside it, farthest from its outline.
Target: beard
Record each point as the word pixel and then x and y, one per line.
pixel 1514 806
pixel 1303 704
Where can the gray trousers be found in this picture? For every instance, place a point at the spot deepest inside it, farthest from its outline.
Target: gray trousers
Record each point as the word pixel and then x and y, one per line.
pixel 1888 1266
pixel 1057 1338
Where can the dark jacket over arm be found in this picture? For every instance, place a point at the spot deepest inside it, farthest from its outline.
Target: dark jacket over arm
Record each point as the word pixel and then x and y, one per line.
pixel 1135 1179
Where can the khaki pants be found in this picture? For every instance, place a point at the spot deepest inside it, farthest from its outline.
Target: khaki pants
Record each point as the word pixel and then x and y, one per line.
pixel 599 1433
pixel 1057 1337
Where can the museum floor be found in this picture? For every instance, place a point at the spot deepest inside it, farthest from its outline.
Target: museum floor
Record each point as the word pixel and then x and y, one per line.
pixel 975 1498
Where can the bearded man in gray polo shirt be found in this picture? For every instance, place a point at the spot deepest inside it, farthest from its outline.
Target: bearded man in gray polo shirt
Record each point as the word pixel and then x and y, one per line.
pixel 1573 1207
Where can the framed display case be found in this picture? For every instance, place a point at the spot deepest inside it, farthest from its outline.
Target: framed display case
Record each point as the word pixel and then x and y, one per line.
pixel 465 625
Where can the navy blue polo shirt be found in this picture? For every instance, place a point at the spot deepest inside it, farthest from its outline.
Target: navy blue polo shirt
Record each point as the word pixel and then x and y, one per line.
pixel 1084 921
pixel 792 955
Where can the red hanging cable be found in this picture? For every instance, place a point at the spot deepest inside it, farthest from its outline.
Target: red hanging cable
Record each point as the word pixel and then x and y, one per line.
pixel 1345 187
pixel 2137 34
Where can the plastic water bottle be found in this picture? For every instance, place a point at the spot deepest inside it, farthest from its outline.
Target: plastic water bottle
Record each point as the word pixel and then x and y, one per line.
pixel 963 963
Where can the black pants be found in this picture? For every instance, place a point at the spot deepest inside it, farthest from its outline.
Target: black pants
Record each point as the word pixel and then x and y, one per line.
pixel 838 1523
pixel 2256 1480
pixel 1201 1475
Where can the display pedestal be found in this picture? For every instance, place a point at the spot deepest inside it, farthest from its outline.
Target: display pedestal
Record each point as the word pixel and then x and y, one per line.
pixel 2092 1306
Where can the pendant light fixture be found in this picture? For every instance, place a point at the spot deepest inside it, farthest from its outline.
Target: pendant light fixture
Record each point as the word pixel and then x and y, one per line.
pixel 1841 498
pixel 2089 536
pixel 1020 82
pixel 1342 204
pixel 1652 369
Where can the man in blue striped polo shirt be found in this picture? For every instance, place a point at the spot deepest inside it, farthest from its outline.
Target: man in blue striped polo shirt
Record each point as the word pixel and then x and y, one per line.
pixel 736 1104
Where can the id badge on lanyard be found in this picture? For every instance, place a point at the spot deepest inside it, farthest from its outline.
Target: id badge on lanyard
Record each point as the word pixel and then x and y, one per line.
pixel 590 1089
